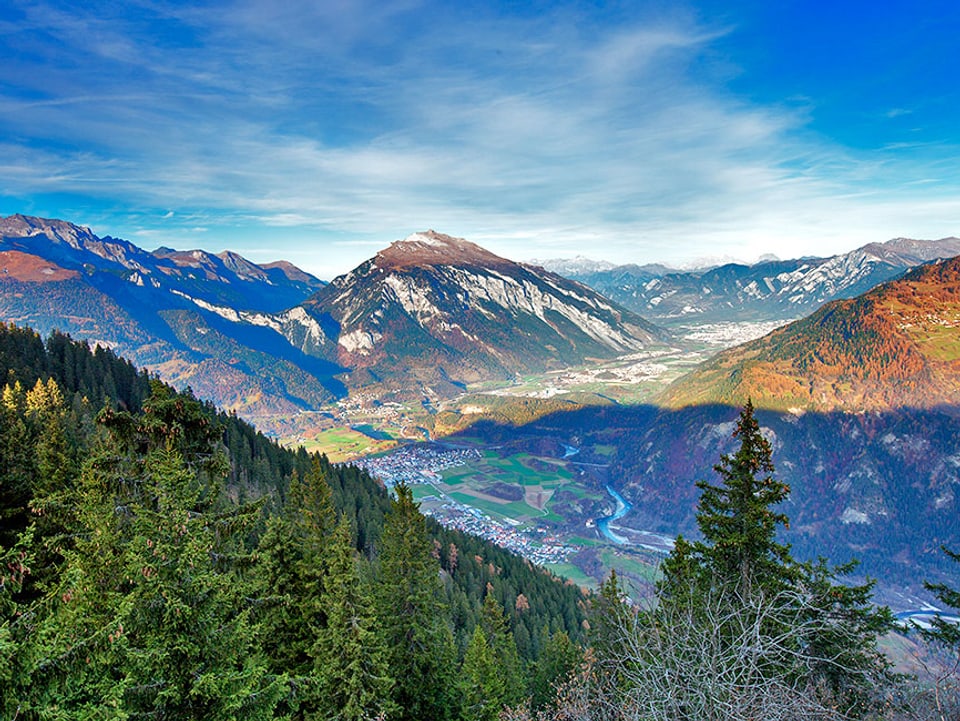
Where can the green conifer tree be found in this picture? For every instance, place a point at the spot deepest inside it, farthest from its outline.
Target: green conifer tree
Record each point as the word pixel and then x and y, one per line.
pixel 412 615
pixel 481 680
pixel 559 658
pixel 803 628
pixel 294 557
pixel 504 647
pixel 16 663
pixel 349 657
pixel 739 552
pixel 148 618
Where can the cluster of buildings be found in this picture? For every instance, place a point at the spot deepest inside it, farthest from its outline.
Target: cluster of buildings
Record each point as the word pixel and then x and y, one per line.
pixel 452 514
pixel 418 463
pixel 423 462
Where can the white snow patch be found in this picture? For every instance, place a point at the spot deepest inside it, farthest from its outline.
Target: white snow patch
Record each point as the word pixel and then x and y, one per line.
pixel 359 341
pixel 425 240
pixel 852 515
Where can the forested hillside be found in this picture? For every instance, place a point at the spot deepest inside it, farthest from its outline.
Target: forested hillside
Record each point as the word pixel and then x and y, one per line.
pixel 162 560
pixel 165 560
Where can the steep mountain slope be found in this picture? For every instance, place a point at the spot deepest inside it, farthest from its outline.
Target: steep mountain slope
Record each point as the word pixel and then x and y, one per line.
pixel 432 312
pixel 769 290
pixel 156 309
pixel 424 317
pixel 895 346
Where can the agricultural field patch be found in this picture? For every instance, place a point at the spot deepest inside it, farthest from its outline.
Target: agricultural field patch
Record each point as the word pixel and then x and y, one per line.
pixel 345 444
pixel 455 476
pixel 538 496
pixel 568 570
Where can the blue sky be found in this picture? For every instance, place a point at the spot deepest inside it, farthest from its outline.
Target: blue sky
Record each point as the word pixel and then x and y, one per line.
pixel 635 132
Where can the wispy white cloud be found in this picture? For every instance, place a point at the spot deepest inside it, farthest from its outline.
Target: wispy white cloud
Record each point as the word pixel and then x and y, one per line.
pixel 350 124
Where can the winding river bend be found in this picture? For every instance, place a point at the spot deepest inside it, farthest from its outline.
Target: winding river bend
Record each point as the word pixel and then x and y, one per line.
pixel 623 507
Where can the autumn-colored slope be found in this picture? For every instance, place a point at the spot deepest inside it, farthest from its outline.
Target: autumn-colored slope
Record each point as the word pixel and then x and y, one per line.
pixel 895 346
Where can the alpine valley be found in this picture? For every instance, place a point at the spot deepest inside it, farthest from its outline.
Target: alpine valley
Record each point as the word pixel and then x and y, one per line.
pixel 859 398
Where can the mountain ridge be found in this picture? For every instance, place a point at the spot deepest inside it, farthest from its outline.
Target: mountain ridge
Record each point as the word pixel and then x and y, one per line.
pixel 764 291
pixel 158 309
pixel 898 345
pixel 424 317
pixel 438 312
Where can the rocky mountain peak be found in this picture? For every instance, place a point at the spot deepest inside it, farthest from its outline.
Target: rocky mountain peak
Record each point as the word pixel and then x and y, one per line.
pixel 26 226
pixel 431 248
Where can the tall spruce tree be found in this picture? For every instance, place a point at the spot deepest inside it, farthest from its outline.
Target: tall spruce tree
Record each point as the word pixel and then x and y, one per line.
pixel 559 658
pixel 504 647
pixel 791 624
pixel 290 580
pixel 481 680
pixel 739 551
pixel 349 657
pixel 412 615
pixel 293 559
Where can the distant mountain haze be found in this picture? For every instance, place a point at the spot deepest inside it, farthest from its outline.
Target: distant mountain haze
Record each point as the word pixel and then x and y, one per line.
pixel 765 291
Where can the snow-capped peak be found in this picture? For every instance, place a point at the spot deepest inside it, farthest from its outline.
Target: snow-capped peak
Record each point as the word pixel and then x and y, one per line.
pixel 431 238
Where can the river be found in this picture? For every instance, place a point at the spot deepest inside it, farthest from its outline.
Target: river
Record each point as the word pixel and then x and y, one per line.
pixel 623 508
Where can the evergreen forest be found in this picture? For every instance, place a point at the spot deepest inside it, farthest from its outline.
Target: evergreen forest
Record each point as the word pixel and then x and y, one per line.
pixel 160 559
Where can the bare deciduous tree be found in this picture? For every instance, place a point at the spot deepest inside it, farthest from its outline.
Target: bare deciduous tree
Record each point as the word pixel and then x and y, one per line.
pixel 726 659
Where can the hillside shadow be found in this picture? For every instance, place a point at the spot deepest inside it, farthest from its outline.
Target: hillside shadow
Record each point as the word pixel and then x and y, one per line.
pixel 882 488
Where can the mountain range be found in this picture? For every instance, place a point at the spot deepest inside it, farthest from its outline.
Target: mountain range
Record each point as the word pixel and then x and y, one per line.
pixel 860 397
pixel 425 316
pixel 771 290
pixel 153 308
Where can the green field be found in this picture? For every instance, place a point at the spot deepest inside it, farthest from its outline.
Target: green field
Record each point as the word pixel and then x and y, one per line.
pixel 455 476
pixel 514 469
pixel 568 570
pixel 627 565
pixel 344 444
pixel 423 490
